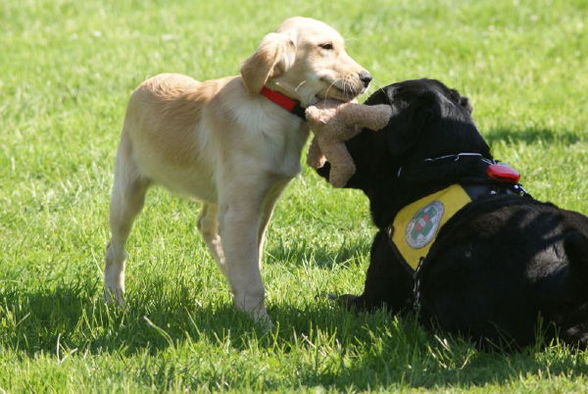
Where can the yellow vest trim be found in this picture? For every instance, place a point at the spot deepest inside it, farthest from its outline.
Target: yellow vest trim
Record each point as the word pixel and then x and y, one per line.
pixel 416 226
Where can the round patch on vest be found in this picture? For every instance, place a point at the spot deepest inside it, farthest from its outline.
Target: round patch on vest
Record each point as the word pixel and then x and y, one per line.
pixel 424 225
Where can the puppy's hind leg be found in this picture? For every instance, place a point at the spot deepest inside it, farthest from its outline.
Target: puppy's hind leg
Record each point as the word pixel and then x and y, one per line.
pixel 128 196
pixel 208 227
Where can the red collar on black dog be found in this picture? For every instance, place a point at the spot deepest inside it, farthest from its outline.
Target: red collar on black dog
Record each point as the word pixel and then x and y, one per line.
pixel 289 104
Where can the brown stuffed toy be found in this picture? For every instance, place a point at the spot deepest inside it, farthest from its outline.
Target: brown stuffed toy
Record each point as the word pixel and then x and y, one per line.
pixel 333 123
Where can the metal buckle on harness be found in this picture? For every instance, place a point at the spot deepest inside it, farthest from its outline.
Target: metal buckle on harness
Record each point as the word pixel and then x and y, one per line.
pixel 520 190
pixel 416 288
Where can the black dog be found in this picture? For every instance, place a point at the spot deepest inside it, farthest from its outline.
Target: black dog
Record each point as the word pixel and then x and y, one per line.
pixel 500 264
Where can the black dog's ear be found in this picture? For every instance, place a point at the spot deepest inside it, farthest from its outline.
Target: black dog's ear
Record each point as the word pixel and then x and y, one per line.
pixel 465 102
pixel 406 127
pixel 380 96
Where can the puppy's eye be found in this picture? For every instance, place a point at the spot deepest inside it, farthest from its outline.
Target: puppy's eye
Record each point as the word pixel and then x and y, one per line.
pixel 327 46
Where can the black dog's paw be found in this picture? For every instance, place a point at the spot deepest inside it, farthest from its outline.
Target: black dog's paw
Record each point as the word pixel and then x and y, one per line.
pixel 347 300
pixel 350 301
pixel 328 296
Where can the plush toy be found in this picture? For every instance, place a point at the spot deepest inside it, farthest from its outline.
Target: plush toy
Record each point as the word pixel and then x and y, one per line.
pixel 333 123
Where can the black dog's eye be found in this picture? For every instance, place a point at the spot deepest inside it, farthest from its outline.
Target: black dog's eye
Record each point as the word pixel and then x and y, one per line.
pixel 327 45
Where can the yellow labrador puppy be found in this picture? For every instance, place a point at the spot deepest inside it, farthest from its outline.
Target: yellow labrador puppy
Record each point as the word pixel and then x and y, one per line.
pixel 233 143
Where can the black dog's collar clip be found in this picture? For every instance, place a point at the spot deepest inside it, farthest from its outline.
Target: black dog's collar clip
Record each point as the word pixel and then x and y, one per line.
pixel 503 173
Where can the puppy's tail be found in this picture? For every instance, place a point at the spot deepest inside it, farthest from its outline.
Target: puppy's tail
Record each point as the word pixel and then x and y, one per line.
pixel 576 247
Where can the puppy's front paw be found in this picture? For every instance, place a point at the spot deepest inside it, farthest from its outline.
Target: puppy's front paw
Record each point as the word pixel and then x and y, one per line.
pixel 114 296
pixel 263 321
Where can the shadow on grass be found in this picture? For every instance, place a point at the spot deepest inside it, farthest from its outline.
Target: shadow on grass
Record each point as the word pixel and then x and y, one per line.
pixel 344 350
pixel 301 252
pixel 532 135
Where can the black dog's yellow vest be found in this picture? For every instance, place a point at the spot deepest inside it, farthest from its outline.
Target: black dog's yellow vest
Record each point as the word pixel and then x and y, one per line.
pixel 416 226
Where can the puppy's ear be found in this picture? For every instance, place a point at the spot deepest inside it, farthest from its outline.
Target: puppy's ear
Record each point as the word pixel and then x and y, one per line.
pixel 274 56
pixel 407 126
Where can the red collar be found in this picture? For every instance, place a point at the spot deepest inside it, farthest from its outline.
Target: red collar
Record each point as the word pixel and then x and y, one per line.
pixel 289 104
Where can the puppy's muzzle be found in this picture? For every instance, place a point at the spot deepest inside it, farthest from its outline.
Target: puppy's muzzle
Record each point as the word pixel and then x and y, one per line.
pixel 365 78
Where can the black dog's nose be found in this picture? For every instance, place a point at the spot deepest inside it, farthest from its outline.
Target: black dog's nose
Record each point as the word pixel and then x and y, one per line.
pixel 365 77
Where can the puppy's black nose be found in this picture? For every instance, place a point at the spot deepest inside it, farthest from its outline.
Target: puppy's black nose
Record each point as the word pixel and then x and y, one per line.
pixel 365 77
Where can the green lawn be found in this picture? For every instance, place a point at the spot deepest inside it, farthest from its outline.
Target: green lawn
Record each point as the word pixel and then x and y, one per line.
pixel 66 70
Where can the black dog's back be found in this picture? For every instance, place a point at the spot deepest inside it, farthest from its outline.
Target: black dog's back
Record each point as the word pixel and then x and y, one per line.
pixel 499 265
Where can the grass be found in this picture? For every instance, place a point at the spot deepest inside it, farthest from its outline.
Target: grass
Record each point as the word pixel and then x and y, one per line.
pixel 66 71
